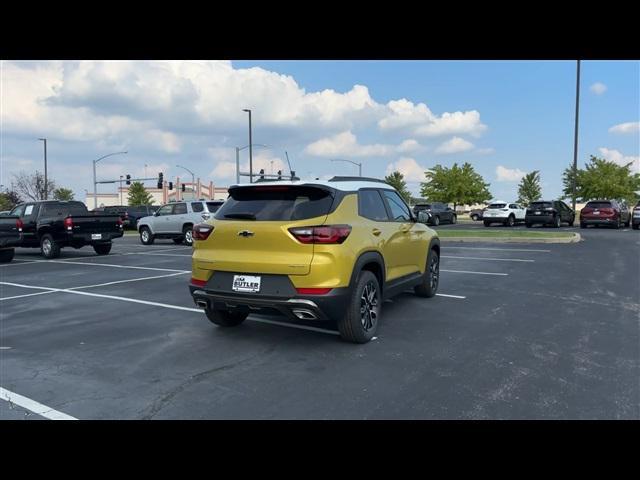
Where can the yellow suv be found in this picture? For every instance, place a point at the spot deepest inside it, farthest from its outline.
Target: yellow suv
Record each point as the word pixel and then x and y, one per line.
pixel 325 250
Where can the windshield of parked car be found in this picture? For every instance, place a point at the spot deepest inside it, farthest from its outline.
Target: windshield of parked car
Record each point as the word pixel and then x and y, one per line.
pixel 497 205
pixel 598 205
pixel 275 203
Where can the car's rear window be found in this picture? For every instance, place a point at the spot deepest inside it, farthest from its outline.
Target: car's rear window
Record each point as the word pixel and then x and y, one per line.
pixel 275 203
pixel 540 205
pixel 497 205
pixel 422 206
pixel 64 209
pixel 213 206
pixel 598 205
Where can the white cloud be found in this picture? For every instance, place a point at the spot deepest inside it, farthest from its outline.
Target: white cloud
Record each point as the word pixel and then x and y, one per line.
pixel 485 151
pixel 454 145
pixel 412 171
pixel 505 174
pixel 346 144
pixel 619 158
pixel 408 146
pixel 598 88
pixel 623 128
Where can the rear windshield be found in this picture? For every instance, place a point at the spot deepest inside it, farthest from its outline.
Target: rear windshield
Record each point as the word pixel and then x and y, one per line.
pixel 64 209
pixel 598 205
pixel 213 206
pixel 540 205
pixel 497 205
pixel 275 203
pixel 422 206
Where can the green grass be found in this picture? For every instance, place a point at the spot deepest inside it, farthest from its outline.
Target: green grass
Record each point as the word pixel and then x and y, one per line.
pixel 458 233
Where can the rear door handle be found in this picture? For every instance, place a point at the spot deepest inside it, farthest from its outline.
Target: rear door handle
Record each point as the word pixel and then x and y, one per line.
pixel 376 231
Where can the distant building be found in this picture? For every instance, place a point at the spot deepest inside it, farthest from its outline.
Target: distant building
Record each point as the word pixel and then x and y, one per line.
pixel 162 195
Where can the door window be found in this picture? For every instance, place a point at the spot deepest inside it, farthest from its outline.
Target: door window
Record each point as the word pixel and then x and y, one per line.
pixel 399 211
pixel 18 211
pixel 371 206
pixel 165 210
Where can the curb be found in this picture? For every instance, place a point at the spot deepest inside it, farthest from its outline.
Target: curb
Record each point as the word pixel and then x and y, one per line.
pixel 574 239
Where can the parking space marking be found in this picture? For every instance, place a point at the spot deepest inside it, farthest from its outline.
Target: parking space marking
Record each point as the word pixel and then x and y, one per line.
pixel 25 295
pixel 33 406
pixel 450 296
pixel 113 266
pixel 500 249
pixel 127 281
pixel 488 258
pixel 157 254
pixel 475 273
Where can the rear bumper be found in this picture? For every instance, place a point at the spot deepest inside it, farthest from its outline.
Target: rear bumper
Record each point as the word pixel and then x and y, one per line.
pixel 495 219
pixel 635 220
pixel 305 307
pixel 599 221
pixel 85 238
pixel 533 219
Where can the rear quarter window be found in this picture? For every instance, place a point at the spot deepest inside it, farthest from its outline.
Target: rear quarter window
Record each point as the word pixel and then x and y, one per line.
pixel 497 205
pixel 197 207
pixel 598 205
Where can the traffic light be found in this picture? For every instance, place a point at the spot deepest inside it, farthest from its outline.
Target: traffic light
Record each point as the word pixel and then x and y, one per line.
pixel 184 187
pixel 160 180
pixel 279 174
pixel 262 174
pixel 170 185
pixel 128 179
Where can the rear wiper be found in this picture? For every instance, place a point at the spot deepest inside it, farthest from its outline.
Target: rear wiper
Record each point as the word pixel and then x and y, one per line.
pixel 243 216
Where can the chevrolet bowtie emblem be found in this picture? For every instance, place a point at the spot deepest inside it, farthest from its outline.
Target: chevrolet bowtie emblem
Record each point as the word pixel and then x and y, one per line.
pixel 245 233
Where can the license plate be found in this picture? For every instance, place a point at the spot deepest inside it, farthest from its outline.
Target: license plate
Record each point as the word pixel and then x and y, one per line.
pixel 96 236
pixel 596 213
pixel 538 213
pixel 246 283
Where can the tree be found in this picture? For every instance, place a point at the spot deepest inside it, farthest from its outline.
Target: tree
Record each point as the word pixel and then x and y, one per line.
pixel 396 180
pixel 31 186
pixel 138 195
pixel 529 188
pixel 9 199
pixel 457 185
pixel 64 194
pixel 601 179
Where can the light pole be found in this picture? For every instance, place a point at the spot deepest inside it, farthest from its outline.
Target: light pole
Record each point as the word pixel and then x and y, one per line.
pixel 193 178
pixel 95 182
pixel 46 186
pixel 355 163
pixel 121 177
pixel 575 136
pixel 238 149
pixel 250 147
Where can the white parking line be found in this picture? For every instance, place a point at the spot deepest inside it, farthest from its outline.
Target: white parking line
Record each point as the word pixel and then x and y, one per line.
pixel 475 273
pixel 159 254
pixel 33 406
pixel 126 281
pixel 500 249
pixel 113 266
pixel 25 295
pixel 488 258
pixel 450 296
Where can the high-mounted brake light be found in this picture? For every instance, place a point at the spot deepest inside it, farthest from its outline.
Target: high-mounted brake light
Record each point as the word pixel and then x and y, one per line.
pixel 322 234
pixel 68 224
pixel 201 231
pixel 19 225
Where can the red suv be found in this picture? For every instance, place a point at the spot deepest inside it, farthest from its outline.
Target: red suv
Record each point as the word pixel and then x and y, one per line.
pixel 605 212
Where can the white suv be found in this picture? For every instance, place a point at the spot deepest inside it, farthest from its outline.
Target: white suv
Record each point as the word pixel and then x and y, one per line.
pixel 502 212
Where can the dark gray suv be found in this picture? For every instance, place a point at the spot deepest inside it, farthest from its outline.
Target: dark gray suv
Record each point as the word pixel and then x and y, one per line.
pixel 439 212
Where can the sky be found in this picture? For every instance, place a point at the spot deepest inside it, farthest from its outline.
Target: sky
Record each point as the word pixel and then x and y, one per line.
pixel 506 118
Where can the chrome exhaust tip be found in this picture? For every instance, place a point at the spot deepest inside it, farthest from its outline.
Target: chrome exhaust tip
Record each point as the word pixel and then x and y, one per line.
pixel 202 303
pixel 305 314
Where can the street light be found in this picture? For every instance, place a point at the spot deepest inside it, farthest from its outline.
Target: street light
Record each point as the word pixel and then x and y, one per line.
pixel 238 149
pixel 121 177
pixel 46 189
pixel 250 147
pixel 343 160
pixel 575 136
pixel 95 183
pixel 193 177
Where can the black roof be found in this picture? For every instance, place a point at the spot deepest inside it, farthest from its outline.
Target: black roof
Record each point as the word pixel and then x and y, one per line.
pixel 356 179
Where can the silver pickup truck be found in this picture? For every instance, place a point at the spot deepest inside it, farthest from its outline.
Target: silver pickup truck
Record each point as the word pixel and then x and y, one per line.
pixel 176 220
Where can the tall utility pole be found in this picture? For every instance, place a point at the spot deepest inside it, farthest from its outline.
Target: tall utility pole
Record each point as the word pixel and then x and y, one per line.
pixel 250 147
pixel 575 136
pixel 193 180
pixel 46 186
pixel 95 182
pixel 121 189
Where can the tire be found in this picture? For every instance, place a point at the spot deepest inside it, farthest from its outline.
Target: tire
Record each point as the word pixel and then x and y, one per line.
pixel 557 222
pixel 636 226
pixel 7 255
pixel 187 234
pixel 628 222
pixel 225 318
pixel 618 224
pixel 360 323
pixel 511 221
pixel 49 247
pixel 431 279
pixel 436 221
pixel 102 248
pixel 474 218
pixel 178 241
pixel 486 223
pixel 146 238
pixel 454 219
pixel 573 219
pixel 583 225
pixel 528 225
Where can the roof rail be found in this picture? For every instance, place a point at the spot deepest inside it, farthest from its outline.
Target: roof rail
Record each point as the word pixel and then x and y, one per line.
pixel 355 179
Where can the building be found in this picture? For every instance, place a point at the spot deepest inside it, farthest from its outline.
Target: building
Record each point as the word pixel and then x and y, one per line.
pixel 161 195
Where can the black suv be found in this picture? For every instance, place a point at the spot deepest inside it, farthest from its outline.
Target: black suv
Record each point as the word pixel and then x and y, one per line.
pixel 129 214
pixel 440 212
pixel 549 212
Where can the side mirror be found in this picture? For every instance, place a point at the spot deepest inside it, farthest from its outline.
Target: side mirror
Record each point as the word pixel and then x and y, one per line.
pixel 424 217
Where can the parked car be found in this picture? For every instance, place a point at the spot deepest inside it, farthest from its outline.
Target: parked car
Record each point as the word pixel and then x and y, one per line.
pixel 324 250
pixel 10 236
pixel 605 212
pixel 176 220
pixel 549 212
pixel 5 213
pixel 503 212
pixel 53 224
pixel 635 221
pixel 476 214
pixel 439 212
pixel 129 214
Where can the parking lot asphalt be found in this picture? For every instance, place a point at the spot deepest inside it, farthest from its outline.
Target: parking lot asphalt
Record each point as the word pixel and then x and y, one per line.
pixel 540 331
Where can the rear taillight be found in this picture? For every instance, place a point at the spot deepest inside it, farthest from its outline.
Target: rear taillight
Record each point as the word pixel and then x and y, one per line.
pixel 119 222
pixel 201 231
pixel 323 234
pixel 68 224
pixel 19 225
pixel 198 283
pixel 313 291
